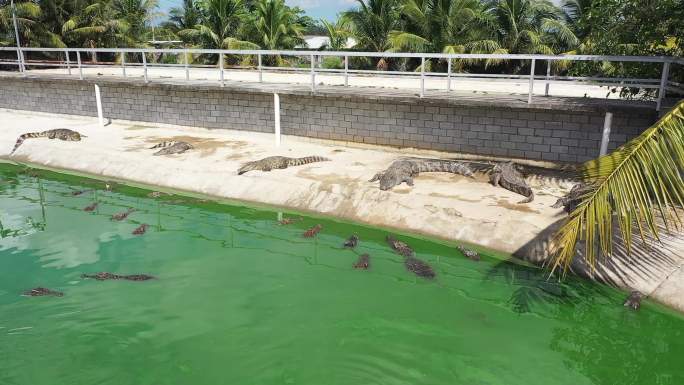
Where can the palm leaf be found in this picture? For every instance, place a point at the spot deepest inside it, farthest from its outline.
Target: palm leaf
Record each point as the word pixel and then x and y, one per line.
pixel 639 184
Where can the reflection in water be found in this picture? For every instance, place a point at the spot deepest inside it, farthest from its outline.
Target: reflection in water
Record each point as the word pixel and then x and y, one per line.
pixel 242 299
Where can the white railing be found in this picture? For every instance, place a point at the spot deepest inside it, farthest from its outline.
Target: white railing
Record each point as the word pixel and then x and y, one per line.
pixel 64 58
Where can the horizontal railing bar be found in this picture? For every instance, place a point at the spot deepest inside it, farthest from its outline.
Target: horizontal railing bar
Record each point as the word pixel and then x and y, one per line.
pixel 644 59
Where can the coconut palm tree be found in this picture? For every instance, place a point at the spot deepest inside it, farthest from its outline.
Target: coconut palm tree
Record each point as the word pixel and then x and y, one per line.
pixel 185 17
pixel 530 26
pixel 277 26
pixel 371 23
pixel 638 186
pixel 338 34
pixel 218 24
pixel 31 31
pixel 96 26
pixel 449 26
pixel 138 15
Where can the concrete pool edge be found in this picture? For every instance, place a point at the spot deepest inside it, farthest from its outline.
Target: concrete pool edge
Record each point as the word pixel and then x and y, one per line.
pixel 112 154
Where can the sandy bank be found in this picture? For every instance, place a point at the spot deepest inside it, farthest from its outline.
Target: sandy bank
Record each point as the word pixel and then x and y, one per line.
pixel 440 205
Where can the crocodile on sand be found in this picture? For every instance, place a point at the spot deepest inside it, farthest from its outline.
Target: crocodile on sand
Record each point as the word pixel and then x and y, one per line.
pixel 278 162
pixel 104 276
pixel 405 169
pixel 172 147
pixel 573 198
pixel 507 176
pixel 58 133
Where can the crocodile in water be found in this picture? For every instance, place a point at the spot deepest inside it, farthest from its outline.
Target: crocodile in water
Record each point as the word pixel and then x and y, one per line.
pixel 123 215
pixel 419 268
pixel 634 300
pixel 352 242
pixel 405 169
pixel 279 162
pixel 41 292
pixel 58 133
pixel 310 233
pixel 140 230
pixel 399 247
pixel 363 262
pixel 470 254
pixel 90 207
pixel 170 148
pixel 507 176
pixel 104 276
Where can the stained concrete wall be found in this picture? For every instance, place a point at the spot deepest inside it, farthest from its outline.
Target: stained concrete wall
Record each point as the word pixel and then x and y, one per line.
pixel 560 133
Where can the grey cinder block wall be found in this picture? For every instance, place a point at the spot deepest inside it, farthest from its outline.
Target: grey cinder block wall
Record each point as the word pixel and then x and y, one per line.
pixel 551 134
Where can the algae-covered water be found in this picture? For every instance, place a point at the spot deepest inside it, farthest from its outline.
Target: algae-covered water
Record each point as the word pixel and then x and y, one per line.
pixel 240 299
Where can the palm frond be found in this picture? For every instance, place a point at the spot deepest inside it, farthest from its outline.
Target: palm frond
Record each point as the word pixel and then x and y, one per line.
pixel 639 184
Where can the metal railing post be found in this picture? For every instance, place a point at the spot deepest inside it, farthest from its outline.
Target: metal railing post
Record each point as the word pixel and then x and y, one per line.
pixel 313 75
pixel 144 59
pixel 531 91
pixel 449 76
pixel 68 62
pixel 80 67
pixel 221 68
pixel 261 70
pixel 123 63
pixel 663 84
pixel 548 76
pixel 605 138
pixel 20 60
pixel 422 76
pixel 187 65
pixel 346 71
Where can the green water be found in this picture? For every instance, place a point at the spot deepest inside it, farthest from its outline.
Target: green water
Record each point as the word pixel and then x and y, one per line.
pixel 242 300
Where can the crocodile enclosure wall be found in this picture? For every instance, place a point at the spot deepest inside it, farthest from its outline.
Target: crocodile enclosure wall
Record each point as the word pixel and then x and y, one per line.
pixel 560 131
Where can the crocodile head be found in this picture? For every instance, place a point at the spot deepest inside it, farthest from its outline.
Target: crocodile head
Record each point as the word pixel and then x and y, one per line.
pixel 390 178
pixel 249 166
pixel 70 136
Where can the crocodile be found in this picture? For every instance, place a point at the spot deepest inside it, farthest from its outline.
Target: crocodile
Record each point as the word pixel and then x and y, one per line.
pixel 634 300
pixel 310 233
pixel 41 292
pixel 172 147
pixel 399 247
pixel 288 221
pixel 123 215
pixel 76 193
pixel 405 169
pixel 352 242
pixel 573 198
pixel 470 254
pixel 507 176
pixel 104 276
pixel 157 194
pixel 279 162
pixel 363 262
pixel 90 207
pixel 58 133
pixel 419 268
pixel 140 230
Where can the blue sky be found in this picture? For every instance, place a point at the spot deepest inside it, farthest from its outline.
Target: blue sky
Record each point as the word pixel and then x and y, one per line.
pixel 314 8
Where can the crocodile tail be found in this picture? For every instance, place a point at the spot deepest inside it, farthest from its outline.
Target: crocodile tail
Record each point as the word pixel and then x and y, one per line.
pixel 306 160
pixel 23 137
pixel 163 145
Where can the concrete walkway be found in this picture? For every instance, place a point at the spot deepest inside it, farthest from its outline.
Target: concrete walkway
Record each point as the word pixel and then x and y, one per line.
pixel 440 205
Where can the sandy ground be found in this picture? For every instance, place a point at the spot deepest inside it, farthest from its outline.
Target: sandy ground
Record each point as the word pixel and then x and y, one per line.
pixel 441 205
pixel 483 86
